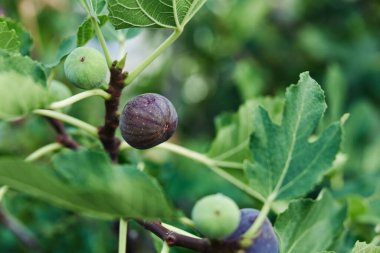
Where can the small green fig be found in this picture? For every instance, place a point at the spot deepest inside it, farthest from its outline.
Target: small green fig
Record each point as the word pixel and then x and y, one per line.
pixel 87 68
pixel 216 216
pixel 59 91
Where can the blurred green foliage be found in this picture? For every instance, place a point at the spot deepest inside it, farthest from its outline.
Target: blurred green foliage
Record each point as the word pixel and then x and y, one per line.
pixel 231 52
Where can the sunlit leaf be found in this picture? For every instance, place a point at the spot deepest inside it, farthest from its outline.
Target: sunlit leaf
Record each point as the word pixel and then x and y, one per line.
pixel 286 163
pixel 146 13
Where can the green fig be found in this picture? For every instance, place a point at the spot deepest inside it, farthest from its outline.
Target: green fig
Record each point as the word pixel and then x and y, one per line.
pixel 87 68
pixel 216 216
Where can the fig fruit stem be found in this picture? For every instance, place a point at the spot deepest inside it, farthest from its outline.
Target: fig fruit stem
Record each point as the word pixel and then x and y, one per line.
pixel 78 97
pixel 102 41
pixel 3 190
pixel 67 119
pixel 98 32
pixel 123 234
pixel 254 230
pixel 165 248
pixel 43 151
pixel 168 42
pixel 172 238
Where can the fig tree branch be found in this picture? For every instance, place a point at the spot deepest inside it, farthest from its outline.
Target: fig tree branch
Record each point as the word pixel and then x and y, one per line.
pixel 175 239
pixel 107 131
pixel 62 136
pixel 19 230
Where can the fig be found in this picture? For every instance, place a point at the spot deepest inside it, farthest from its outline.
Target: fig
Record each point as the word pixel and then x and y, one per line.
pixel 87 68
pixel 216 216
pixel 266 242
pixel 148 120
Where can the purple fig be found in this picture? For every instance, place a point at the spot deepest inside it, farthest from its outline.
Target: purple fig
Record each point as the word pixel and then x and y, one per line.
pixel 148 120
pixel 266 242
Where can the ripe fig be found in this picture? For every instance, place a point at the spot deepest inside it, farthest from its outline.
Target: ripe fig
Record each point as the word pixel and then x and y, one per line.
pixel 216 216
pixel 148 120
pixel 87 68
pixel 266 242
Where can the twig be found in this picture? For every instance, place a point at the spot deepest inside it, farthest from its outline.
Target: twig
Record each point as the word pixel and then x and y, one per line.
pixel 175 239
pixel 107 131
pixel 62 136
pixel 22 233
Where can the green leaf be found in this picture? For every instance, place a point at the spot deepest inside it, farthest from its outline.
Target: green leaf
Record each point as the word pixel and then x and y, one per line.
pixel 87 181
pixel 336 89
pixel 66 46
pixel 86 30
pixel 20 95
pixel 362 247
pixel 24 66
pixel 158 14
pixel 98 5
pixel 234 129
pixel 286 164
pixel 25 38
pixel 9 39
pixel 249 79
pixel 310 225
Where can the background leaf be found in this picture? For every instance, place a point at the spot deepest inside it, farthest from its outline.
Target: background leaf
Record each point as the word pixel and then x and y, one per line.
pixel 23 65
pixel 98 189
pixel 234 129
pixel 310 225
pixel 285 162
pixel 25 38
pixel 98 5
pixel 20 95
pixel 8 38
pixel 147 13
pixel 86 30
pixel 362 247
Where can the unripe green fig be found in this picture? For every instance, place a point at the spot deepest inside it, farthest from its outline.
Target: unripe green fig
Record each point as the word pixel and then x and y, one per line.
pixel 59 91
pixel 216 216
pixel 87 68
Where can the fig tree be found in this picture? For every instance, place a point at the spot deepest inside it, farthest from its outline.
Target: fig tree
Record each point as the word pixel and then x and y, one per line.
pixel 87 68
pixel 216 216
pixel 148 120
pixel 266 242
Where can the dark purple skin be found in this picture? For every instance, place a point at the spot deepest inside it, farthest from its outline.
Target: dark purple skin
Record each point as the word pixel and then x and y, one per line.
pixel 148 120
pixel 266 242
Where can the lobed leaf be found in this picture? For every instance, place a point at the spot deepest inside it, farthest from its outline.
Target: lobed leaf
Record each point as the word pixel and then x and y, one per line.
pixel 24 37
pixel 286 163
pixel 362 247
pixel 310 225
pixel 86 181
pixel 234 129
pixel 9 39
pixel 170 14
pixel 24 66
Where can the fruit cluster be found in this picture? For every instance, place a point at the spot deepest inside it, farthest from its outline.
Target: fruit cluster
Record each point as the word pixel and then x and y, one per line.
pixel 218 217
pixel 146 121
